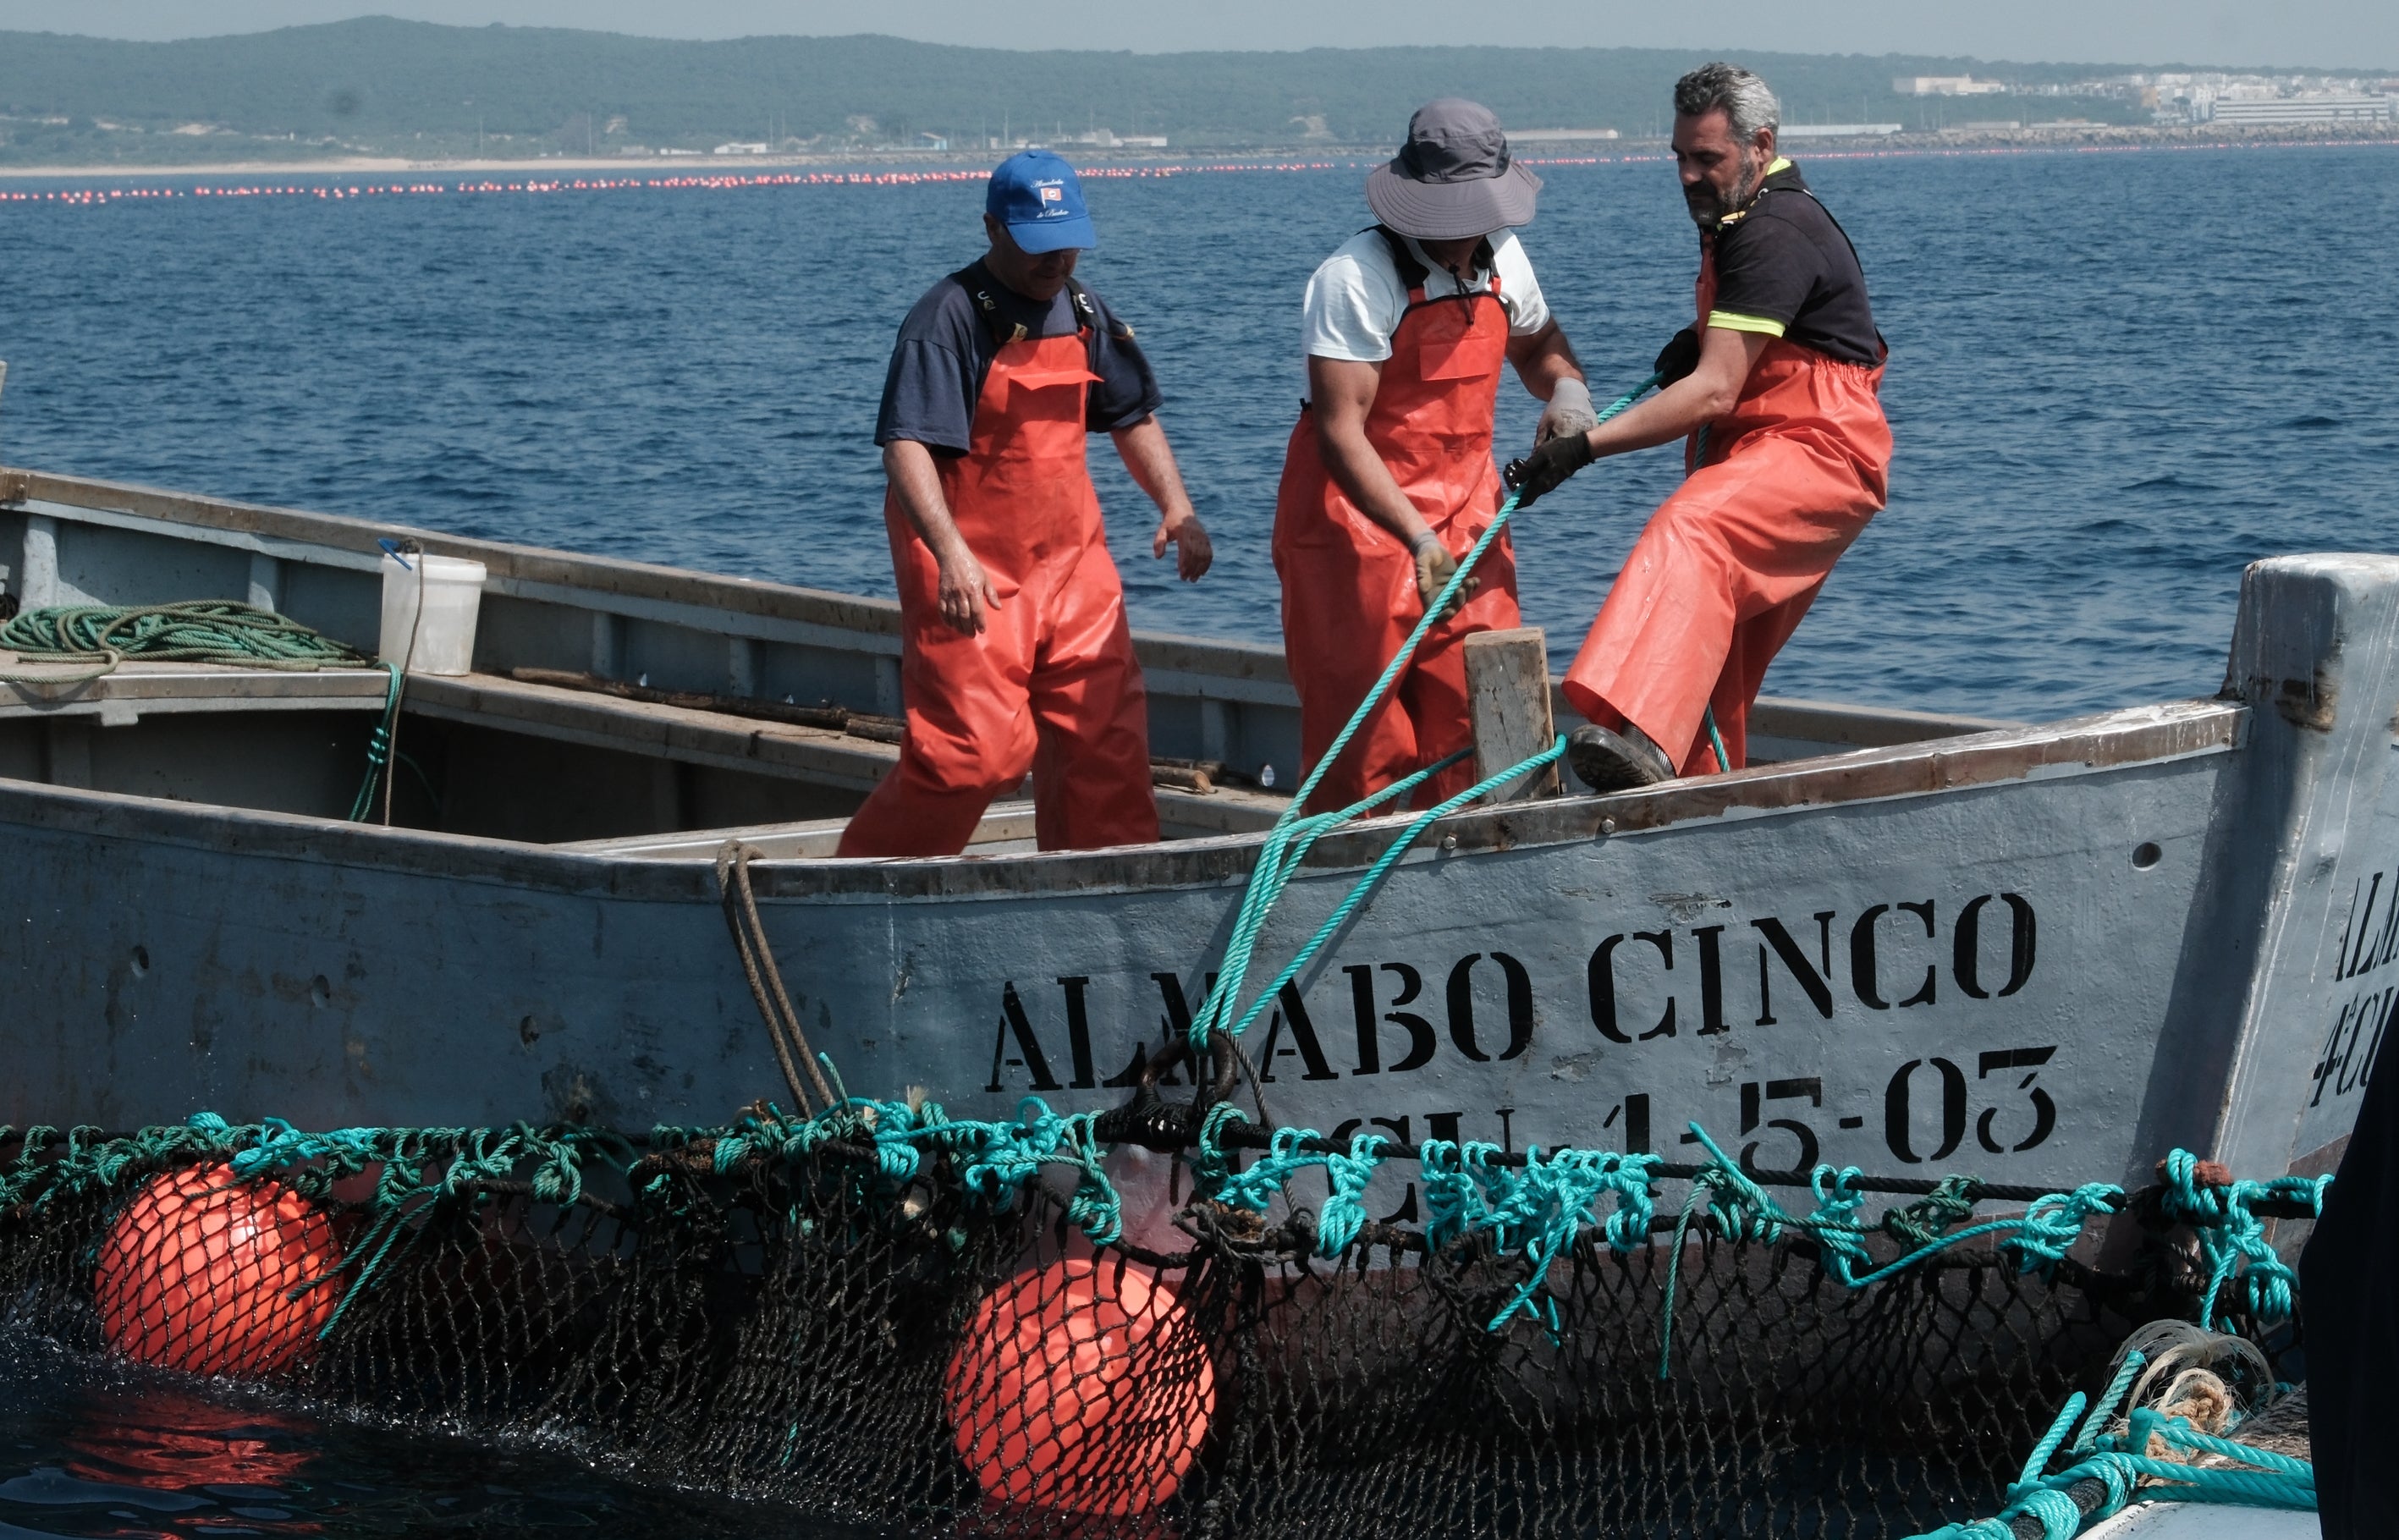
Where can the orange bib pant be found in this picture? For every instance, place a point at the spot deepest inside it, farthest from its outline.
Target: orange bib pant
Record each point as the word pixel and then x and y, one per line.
pixel 1051 684
pixel 1349 586
pixel 1728 564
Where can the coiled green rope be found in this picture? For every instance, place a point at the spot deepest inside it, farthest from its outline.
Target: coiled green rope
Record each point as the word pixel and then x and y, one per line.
pixel 197 630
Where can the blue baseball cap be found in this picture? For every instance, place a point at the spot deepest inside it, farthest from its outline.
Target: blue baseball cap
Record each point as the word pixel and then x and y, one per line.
pixel 1034 194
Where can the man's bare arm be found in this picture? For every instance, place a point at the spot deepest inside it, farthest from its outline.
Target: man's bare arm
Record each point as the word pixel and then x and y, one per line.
pixel 1545 362
pixel 1343 392
pixel 965 587
pixel 1151 461
pixel 1705 394
pixel 1542 358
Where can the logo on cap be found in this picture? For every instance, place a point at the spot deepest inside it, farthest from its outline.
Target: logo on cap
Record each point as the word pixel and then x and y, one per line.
pixel 1034 194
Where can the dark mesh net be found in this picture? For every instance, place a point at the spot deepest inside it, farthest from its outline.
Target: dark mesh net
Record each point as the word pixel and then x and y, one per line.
pixel 892 1350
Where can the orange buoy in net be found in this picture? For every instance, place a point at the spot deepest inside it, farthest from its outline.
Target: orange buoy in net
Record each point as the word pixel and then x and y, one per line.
pixel 1080 1387
pixel 206 1272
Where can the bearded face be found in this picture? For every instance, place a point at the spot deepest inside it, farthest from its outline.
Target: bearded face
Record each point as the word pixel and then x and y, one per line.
pixel 1719 172
pixel 1710 201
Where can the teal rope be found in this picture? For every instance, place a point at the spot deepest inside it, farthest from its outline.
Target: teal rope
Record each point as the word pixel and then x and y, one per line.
pixel 1267 1177
pixel 1715 739
pixel 2233 1239
pixel 993 1161
pixel 1295 830
pixel 2040 1237
pixel 1538 1212
pixel 2125 1467
pixel 1742 1210
pixel 1359 892
pixel 379 750
pixel 2126 1372
pixel 1279 858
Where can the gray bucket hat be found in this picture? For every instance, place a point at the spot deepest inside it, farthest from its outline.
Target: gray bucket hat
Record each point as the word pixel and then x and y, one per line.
pixel 1454 178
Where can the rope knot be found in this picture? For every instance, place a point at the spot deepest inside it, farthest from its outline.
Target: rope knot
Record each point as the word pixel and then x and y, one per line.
pixel 2051 1226
pixel 1344 1213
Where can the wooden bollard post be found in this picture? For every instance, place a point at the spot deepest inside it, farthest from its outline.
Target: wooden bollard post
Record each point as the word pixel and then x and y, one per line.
pixel 1508 691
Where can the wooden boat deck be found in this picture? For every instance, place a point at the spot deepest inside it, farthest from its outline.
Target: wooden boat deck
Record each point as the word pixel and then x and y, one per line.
pixel 540 763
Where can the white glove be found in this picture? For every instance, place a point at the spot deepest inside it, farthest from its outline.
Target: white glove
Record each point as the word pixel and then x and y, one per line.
pixel 1569 412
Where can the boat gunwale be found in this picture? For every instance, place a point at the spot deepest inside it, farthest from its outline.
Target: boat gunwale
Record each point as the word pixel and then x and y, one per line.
pixel 1207 667
pixel 2132 736
pixel 608 583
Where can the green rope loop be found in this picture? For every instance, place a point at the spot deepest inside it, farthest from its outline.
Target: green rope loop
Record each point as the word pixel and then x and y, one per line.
pixel 1295 830
pixel 2233 1239
pixel 1933 1215
pixel 198 630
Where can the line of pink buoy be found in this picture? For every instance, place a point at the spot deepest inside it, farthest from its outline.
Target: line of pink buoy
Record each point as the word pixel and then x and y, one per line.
pixel 343 192
pixel 714 182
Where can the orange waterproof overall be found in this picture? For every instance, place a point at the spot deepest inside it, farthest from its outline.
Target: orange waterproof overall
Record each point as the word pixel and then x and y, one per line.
pixel 1051 684
pixel 1730 563
pixel 1349 586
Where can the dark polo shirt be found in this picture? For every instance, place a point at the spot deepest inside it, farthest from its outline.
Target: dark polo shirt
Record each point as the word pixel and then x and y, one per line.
pixel 944 353
pixel 1784 268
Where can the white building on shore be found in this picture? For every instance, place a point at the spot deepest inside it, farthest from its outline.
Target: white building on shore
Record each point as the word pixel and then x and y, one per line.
pixel 2311 108
pixel 1945 84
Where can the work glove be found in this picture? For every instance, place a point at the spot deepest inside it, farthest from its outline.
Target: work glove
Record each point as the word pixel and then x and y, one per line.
pixel 1435 567
pixel 1678 358
pixel 1546 469
pixel 1569 412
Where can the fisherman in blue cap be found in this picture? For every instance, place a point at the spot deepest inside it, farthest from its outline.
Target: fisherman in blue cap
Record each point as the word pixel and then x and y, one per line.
pixel 1015 654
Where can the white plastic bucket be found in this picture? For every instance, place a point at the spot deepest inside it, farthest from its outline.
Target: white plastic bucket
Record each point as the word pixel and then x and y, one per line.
pixel 428 612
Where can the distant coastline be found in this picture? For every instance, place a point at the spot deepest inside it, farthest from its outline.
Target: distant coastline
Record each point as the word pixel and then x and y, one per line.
pixel 378 95
pixel 2049 137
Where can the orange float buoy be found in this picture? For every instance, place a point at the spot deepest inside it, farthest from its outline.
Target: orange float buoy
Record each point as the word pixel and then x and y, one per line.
pixel 1080 1387
pixel 201 1271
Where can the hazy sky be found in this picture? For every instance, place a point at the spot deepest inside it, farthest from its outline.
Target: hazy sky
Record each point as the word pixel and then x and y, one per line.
pixel 2340 33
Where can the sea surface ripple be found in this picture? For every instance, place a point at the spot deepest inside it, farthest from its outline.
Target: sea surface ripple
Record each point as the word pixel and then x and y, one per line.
pixel 2114 378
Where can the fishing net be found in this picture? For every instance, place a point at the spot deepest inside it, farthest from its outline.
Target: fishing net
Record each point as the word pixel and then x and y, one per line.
pixel 794 1312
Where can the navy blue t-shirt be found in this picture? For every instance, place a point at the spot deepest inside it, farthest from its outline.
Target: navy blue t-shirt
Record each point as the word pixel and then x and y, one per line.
pixel 945 349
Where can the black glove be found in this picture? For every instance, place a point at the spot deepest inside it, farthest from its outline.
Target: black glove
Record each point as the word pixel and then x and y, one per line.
pixel 1678 358
pixel 1547 467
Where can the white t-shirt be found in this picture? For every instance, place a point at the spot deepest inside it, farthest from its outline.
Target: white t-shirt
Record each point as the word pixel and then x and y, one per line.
pixel 1355 299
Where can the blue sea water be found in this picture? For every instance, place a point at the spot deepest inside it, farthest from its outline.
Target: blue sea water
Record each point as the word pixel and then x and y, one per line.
pixel 2116 378
pixel 97 1449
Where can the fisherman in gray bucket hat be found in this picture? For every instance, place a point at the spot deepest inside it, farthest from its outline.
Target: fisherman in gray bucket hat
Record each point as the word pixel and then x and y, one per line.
pixel 1389 477
pixel 1454 179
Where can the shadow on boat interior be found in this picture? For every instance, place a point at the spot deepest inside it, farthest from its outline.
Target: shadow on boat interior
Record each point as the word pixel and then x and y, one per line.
pixel 615 706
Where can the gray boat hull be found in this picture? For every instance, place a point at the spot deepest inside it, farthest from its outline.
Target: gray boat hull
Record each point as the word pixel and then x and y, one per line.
pixel 2042 953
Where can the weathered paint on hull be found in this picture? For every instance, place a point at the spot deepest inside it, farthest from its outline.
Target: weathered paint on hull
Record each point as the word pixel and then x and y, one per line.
pixel 1767 975
pixel 2042 954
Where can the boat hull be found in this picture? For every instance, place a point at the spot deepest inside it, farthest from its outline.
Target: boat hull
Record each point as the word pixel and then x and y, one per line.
pixel 1975 976
pixel 2042 954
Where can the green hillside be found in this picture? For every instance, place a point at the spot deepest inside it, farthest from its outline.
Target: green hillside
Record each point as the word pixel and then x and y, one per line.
pixel 390 86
